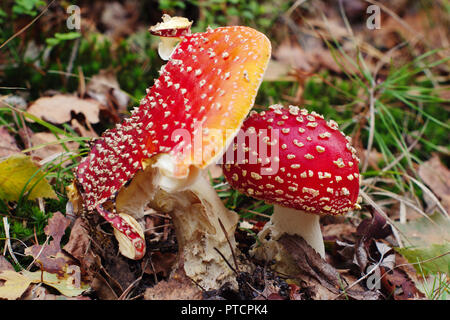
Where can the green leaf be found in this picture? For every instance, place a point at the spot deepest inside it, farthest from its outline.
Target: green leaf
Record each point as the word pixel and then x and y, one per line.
pixel 428 241
pixel 67 36
pixel 432 265
pixel 52 42
pixel 20 176
pixel 60 37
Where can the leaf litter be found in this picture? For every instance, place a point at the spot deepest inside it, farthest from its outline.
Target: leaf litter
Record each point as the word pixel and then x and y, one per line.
pixel 55 268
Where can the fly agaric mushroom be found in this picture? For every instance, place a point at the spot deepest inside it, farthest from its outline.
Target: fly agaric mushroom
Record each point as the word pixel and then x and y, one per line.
pixel 312 170
pixel 209 84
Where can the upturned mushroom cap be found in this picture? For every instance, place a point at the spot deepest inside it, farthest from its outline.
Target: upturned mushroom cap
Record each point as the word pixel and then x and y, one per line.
pixel 209 83
pixel 316 167
pixel 171 30
pixel 171 27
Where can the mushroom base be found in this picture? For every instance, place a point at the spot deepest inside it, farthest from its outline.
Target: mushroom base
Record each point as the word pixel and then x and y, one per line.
pixel 290 221
pixel 195 209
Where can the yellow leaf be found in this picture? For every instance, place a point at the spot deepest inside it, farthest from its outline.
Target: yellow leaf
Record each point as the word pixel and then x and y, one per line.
pixel 14 284
pixel 67 285
pixel 18 172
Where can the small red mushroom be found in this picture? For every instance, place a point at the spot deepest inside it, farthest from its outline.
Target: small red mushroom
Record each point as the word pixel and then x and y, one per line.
pixel 311 170
pixel 171 31
pixel 161 153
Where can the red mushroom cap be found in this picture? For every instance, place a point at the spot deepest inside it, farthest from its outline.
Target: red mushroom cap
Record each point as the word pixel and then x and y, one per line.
pixel 313 166
pixel 209 83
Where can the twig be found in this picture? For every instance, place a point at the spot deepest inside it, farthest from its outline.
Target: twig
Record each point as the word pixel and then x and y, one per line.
pixel 360 279
pixel 384 274
pixel 158 227
pixel 153 268
pixel 196 283
pixel 371 127
pixel 128 290
pixel 39 253
pixel 27 26
pixel 256 213
pixel 229 243
pixel 8 241
pixel 73 55
pixel 224 259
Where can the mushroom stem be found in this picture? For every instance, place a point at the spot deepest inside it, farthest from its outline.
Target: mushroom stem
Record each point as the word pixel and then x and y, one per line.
pixel 290 221
pixel 199 234
pixel 304 224
pixel 195 209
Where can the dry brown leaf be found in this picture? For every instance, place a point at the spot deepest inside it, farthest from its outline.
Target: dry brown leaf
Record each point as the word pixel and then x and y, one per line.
pixel 5 264
pixel 338 231
pixel 13 284
pixel 53 149
pixel 8 145
pixel 178 287
pixel 294 56
pixel 323 280
pixel 278 71
pixel 161 263
pixel 437 177
pixel 82 131
pixel 59 108
pixel 79 247
pixel 311 59
pixel 105 88
pixel 49 256
pixel 120 20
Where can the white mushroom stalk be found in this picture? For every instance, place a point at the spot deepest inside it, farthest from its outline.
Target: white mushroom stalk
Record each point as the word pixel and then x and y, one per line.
pixel 290 221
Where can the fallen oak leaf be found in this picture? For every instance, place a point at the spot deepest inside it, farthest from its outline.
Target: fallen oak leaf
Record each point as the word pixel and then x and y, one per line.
pixel 375 228
pixel 366 249
pixel 105 88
